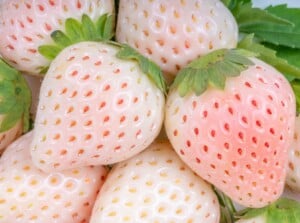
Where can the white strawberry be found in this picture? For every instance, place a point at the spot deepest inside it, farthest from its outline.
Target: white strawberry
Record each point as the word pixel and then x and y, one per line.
pixel 155 186
pixel 231 119
pixel 293 172
pixel 26 25
pixel 28 195
pixel 172 33
pixel 95 108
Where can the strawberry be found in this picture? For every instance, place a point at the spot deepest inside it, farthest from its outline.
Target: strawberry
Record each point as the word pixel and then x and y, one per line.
pixel 231 118
pixel 26 25
pixel 293 172
pixel 173 34
pixel 15 103
pixel 29 195
pixel 95 108
pixel 155 186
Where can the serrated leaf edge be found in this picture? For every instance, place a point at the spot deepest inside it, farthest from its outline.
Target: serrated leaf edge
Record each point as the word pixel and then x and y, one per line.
pixel 76 31
pixel 206 71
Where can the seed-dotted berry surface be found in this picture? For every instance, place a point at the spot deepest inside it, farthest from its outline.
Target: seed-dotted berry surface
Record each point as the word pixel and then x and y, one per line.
pixel 155 186
pixel 238 138
pixel 28 195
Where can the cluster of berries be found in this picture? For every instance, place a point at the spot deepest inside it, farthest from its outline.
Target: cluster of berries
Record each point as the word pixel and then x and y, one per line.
pixel 141 117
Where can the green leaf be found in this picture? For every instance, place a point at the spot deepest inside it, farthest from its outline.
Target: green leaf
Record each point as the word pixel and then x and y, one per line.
pixel 228 3
pixel 248 17
pixel 60 38
pixel 147 66
pixel 108 31
pixel 277 36
pixel 77 31
pixel 49 51
pixel 217 78
pixel 15 98
pixel 232 4
pixel 268 24
pixel 269 56
pixel 73 30
pixel 88 28
pixel 187 81
pixel 211 70
pixel 200 81
pixel 105 27
pixel 100 24
pixel 288 35
pixel 292 55
pixel 283 210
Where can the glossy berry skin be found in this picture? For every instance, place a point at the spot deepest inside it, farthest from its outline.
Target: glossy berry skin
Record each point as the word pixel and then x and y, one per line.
pixel 26 25
pixel 173 34
pixel 237 138
pixel 293 172
pixel 94 109
pixel 155 186
pixel 28 195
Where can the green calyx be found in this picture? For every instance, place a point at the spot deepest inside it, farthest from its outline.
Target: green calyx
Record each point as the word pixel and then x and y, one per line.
pixel 212 70
pixel 152 70
pixel 15 98
pixel 100 31
pixel 283 210
pixel 78 31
